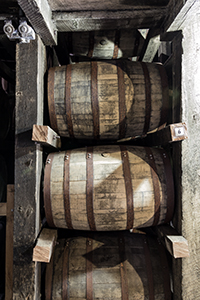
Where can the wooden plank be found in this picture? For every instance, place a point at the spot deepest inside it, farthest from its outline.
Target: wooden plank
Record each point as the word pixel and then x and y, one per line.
pixel 46 136
pixel 3 209
pixel 40 16
pixel 177 14
pixel 45 245
pixel 151 45
pixel 81 5
pixel 171 133
pixel 30 69
pixel 9 243
pixel 175 243
pixel 102 20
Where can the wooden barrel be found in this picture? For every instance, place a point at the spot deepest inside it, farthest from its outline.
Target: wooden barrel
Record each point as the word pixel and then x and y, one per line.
pixel 112 267
pixel 108 188
pixel 107 100
pixel 106 44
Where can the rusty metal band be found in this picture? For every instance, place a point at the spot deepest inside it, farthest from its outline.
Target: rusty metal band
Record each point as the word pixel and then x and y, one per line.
pixel 65 273
pixel 89 188
pixel 137 43
pixel 156 186
pixel 128 187
pixel 123 273
pixel 169 186
pixel 68 100
pixel 165 95
pixel 122 102
pixel 66 189
pixel 94 99
pixel 148 268
pixel 91 44
pixel 147 97
pixel 51 100
pixel 117 42
pixel 49 279
pixel 165 272
pixel 89 281
pixel 47 190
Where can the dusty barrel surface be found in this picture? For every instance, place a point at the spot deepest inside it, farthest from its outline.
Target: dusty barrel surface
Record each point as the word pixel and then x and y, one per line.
pixel 109 267
pixel 108 188
pixel 107 100
pixel 106 44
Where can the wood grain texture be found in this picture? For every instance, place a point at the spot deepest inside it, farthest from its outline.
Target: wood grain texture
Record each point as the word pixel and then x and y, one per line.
pixel 66 5
pixel 129 43
pixel 45 244
pixel 108 191
pixel 9 243
pixel 46 136
pixel 3 209
pixel 175 243
pixel 111 116
pixel 30 69
pixel 104 19
pixel 106 258
pixel 40 16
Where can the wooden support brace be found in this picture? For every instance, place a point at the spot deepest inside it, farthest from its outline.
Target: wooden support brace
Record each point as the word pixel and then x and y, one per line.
pixel 9 243
pixel 45 136
pixel 45 245
pixel 3 209
pixel 175 243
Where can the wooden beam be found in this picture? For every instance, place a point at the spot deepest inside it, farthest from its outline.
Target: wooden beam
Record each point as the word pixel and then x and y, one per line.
pixel 45 244
pixel 46 136
pixel 169 134
pixel 3 209
pixel 40 16
pixel 177 14
pixel 102 20
pixel 81 5
pixel 150 46
pixel 9 243
pixel 175 243
pixel 30 69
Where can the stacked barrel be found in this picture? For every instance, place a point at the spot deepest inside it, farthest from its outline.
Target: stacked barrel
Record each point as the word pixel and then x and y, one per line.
pixel 106 188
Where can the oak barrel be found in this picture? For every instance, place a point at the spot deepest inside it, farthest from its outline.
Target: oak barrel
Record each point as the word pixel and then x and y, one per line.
pixel 108 188
pixel 111 267
pixel 106 44
pixel 107 100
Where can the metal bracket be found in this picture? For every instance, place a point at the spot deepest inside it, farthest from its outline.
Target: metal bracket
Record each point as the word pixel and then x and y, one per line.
pixel 24 33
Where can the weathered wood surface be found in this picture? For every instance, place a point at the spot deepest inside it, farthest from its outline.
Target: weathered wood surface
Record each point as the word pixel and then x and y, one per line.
pixel 104 20
pixel 112 189
pixel 40 16
pixel 3 208
pixel 30 68
pixel 46 136
pixel 9 243
pixel 106 44
pixel 161 137
pixel 107 100
pixel 175 243
pixel 117 266
pixel 186 156
pixel 45 245
pixel 81 5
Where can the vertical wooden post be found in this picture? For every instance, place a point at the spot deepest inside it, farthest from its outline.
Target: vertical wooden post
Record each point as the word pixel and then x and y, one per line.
pixel 9 243
pixel 30 68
